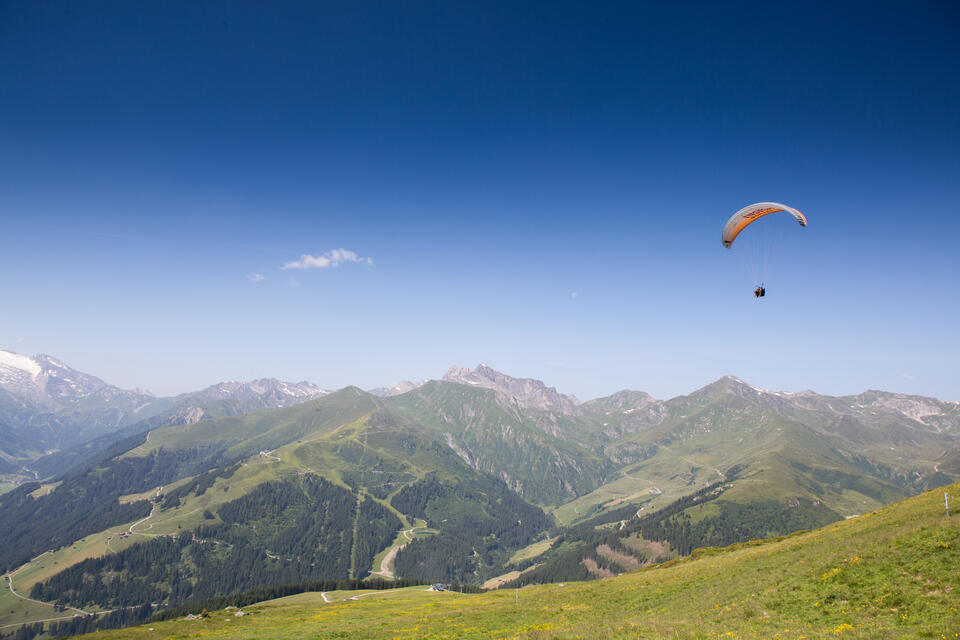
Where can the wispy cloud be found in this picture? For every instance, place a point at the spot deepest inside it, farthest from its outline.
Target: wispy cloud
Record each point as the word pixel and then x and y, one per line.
pixel 255 277
pixel 332 258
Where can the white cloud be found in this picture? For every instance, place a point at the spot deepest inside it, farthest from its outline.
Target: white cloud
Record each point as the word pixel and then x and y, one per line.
pixel 332 258
pixel 254 277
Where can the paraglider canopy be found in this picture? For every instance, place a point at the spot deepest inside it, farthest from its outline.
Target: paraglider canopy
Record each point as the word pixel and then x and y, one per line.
pixel 739 221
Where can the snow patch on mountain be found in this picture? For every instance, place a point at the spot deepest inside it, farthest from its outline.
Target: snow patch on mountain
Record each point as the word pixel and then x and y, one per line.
pixel 10 360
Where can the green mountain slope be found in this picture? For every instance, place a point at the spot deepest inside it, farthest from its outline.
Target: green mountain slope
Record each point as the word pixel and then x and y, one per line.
pixel 851 454
pixel 323 505
pixel 886 574
pixel 539 454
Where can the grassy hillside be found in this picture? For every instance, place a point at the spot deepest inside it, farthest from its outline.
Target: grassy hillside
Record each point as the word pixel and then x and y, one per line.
pixel 891 573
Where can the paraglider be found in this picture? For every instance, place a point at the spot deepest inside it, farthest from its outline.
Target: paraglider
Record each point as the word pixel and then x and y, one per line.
pixel 747 216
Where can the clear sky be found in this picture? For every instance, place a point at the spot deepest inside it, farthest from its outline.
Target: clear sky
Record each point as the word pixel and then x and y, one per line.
pixel 357 193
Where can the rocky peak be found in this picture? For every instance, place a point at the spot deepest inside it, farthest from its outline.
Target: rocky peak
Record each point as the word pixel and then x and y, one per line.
pixel 61 381
pixel 45 379
pixel 526 392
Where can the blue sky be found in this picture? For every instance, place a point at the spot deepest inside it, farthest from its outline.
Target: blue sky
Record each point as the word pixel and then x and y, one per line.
pixel 537 187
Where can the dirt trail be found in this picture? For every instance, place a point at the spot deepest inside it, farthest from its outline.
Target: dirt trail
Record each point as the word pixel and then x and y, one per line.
pixel 323 594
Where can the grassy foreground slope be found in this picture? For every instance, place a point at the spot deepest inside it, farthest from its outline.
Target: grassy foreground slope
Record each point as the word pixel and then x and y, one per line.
pixel 891 573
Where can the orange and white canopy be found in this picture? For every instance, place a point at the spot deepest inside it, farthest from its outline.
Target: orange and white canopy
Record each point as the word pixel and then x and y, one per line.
pixel 739 221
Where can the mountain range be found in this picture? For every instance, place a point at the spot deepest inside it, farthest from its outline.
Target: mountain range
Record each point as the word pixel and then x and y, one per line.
pixel 48 408
pixel 477 476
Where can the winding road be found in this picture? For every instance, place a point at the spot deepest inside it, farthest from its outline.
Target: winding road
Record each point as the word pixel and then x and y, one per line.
pixel 9 578
pixel 152 510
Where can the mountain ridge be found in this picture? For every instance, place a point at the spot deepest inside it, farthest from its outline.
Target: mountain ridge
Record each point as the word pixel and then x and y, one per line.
pixel 29 430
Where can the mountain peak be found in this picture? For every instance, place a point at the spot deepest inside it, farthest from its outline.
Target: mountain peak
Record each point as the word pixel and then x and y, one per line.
pixel 622 400
pixel 45 378
pixel 731 385
pixel 526 392
pixel 401 387
pixel 273 392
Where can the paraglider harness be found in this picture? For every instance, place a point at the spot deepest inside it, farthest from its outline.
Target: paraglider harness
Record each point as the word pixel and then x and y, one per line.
pixel 759 292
